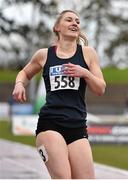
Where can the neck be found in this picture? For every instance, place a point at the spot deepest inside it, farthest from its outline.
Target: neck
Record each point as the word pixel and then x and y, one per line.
pixel 67 46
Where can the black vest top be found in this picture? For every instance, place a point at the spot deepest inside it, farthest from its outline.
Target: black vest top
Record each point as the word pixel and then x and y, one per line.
pixel 65 96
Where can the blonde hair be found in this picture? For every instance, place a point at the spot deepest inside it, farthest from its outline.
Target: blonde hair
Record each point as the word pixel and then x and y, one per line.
pixel 82 36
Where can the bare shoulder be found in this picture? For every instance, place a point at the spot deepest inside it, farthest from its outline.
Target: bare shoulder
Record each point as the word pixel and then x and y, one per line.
pixel 40 56
pixel 89 50
pixel 90 54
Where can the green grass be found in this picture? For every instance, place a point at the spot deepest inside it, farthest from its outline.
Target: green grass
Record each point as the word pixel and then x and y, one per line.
pixel 114 155
pixel 9 76
pixel 113 75
pixel 6 133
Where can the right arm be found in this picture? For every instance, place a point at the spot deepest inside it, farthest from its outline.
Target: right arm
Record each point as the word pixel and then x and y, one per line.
pixel 25 75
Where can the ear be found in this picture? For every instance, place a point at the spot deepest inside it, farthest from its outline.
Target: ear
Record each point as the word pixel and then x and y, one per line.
pixel 57 28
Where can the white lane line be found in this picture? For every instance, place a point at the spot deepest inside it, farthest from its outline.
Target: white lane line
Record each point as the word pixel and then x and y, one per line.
pixel 23 166
pixel 111 169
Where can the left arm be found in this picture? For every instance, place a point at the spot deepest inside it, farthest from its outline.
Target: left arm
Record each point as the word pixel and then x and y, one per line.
pixel 93 76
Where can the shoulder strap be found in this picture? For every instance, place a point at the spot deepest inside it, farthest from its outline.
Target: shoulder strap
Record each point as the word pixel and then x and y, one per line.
pixel 51 52
pixel 81 56
pixel 50 55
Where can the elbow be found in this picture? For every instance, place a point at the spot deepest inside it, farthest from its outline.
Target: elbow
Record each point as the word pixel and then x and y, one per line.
pixel 101 89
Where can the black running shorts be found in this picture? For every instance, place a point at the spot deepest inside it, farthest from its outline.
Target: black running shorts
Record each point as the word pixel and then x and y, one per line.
pixel 69 134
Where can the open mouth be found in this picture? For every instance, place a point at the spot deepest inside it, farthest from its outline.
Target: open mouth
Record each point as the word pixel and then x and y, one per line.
pixel 73 29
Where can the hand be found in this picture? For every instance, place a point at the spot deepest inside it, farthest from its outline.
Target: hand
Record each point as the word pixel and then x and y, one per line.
pixel 19 93
pixel 74 70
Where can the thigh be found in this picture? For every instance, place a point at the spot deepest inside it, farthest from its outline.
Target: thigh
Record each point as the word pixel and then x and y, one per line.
pixel 56 148
pixel 81 161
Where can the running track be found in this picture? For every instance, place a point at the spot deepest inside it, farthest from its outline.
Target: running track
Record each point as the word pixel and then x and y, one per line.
pixel 18 161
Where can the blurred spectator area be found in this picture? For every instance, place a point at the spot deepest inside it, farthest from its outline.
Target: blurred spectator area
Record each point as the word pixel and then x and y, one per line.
pixel 112 102
pixel 6 90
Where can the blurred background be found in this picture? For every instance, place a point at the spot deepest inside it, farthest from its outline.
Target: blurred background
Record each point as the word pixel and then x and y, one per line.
pixel 25 26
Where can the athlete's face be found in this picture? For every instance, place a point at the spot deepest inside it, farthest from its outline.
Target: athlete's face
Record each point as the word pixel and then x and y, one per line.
pixel 69 25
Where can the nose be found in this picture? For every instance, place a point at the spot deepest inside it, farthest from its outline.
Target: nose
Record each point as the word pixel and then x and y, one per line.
pixel 74 23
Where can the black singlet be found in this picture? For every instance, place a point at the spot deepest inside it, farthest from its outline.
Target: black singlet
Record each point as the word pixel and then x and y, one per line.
pixel 65 99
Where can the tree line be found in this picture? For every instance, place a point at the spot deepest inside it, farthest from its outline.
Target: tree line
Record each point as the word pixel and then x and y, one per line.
pixel 104 22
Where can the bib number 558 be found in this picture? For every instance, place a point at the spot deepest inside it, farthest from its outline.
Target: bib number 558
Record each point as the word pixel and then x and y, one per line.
pixel 64 81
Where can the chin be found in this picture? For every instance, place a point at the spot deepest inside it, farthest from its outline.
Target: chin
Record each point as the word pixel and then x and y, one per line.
pixel 71 35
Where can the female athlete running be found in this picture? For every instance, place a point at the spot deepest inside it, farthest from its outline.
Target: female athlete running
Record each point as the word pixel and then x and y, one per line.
pixel 61 134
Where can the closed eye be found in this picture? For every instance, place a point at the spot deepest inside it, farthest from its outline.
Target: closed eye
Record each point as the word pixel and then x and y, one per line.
pixel 70 20
pixel 78 22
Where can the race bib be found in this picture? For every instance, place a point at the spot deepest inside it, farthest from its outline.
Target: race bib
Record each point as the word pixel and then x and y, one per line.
pixel 58 80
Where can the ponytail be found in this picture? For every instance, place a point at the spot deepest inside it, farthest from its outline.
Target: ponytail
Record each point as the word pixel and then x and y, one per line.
pixel 82 39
